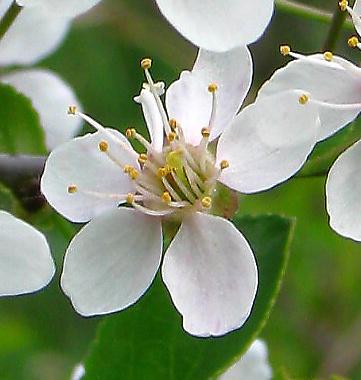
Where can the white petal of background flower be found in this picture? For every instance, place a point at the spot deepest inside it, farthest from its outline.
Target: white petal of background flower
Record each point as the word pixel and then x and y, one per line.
pixel 80 162
pixel 66 8
pixel 189 102
pixel 253 365
pixel 327 83
pixel 218 25
pixel 78 372
pixel 211 274
pixel 343 193
pixel 112 261
pixel 26 264
pixel 152 118
pixel 268 142
pixel 51 97
pixel 25 44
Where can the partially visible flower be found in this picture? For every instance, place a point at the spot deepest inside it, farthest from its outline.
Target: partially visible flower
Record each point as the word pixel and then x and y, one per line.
pixel 333 85
pixel 209 268
pixel 25 44
pixel 253 365
pixel 218 25
pixel 25 261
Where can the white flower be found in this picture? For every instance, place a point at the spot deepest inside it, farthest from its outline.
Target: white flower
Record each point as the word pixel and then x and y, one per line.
pixel 209 268
pixel 333 84
pixel 25 261
pixel 218 25
pixel 253 365
pixel 78 372
pixel 24 44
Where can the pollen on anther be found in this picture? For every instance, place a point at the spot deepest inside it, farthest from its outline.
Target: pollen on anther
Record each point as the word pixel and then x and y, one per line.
pixel 205 132
pixel 353 42
pixel 146 63
pixel 173 124
pixel 303 99
pixel 172 136
pixel 166 197
pixel 71 110
pixel 207 202
pixel 130 133
pixel 285 50
pixel 328 56
pixel 142 158
pixel 103 146
pixel 72 189
pixel 133 173
pixel 343 5
pixel 224 164
pixel 130 198
pixel 212 87
pixel 162 172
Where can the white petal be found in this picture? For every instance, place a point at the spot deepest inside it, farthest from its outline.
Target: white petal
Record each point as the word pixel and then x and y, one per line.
pixel 152 118
pixel 343 189
pixel 268 142
pixel 79 162
pixel 25 261
pixel 357 7
pixel 66 8
pixel 112 261
pixel 78 372
pixel 218 25
pixel 211 274
pixel 338 84
pixel 253 365
pixel 51 97
pixel 189 102
pixel 4 5
pixel 24 44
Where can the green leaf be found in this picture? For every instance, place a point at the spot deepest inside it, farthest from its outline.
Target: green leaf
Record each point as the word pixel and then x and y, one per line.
pixel 20 128
pixel 326 152
pixel 147 341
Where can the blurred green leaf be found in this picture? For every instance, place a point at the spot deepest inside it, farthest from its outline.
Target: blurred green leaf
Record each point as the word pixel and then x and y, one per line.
pixel 147 340
pixel 20 129
pixel 326 152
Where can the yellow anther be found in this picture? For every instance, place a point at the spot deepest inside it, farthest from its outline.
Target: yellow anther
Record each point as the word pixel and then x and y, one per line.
pixel 130 133
pixel 353 41
pixel 130 198
pixel 173 124
pixel 127 168
pixel 142 158
pixel 146 63
pixel 72 189
pixel 103 146
pixel 303 99
pixel 207 202
pixel 172 136
pixel 224 164
pixel 162 172
pixel 133 173
pixel 328 56
pixel 212 87
pixel 71 110
pixel 205 132
pixel 343 5
pixel 285 50
pixel 166 197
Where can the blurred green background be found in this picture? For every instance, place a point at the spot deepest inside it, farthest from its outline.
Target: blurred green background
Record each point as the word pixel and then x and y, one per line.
pixel 315 328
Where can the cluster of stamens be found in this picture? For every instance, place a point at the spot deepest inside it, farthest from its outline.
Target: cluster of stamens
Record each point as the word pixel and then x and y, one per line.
pixel 179 177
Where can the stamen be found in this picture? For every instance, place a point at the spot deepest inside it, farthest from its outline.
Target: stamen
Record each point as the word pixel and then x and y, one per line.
pixel 73 111
pixel 328 56
pixel 343 5
pixel 224 164
pixel 166 197
pixel 212 88
pixel 130 198
pixel 146 64
pixel 353 42
pixel 103 146
pixel 151 212
pixel 285 50
pixel 303 99
pixel 207 202
pixel 170 189
pixel 205 132
pixel 173 124
pixel 142 159
pixel 171 137
pixel 72 189
pixel 192 182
